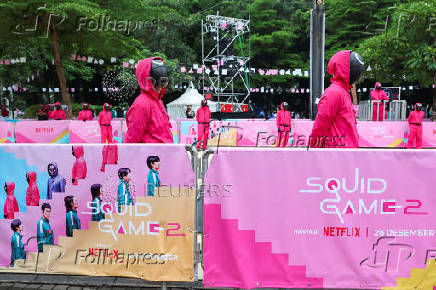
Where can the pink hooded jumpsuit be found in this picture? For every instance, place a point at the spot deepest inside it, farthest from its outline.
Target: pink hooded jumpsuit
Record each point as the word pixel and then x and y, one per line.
pixel 85 115
pixel 335 124
pixel 378 95
pixel 79 166
pixel 284 123
pixel 203 119
pixel 147 120
pixel 32 195
pixel 11 205
pixel 58 114
pixel 415 123
pixel 104 119
pixel 110 155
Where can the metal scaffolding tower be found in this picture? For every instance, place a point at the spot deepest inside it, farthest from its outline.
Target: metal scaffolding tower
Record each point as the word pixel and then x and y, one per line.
pixel 231 66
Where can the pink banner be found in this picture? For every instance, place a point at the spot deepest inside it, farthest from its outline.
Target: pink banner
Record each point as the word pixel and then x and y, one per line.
pixel 91 164
pixel 42 132
pixel 371 134
pixel 319 219
pixel 225 131
pixel 89 131
pixel 6 132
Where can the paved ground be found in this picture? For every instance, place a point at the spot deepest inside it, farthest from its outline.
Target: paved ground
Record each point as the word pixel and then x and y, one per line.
pixel 14 281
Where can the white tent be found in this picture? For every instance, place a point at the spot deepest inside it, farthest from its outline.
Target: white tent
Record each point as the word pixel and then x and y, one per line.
pixel 177 108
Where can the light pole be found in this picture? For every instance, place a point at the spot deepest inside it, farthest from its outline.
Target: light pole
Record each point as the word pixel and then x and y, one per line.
pixel 317 34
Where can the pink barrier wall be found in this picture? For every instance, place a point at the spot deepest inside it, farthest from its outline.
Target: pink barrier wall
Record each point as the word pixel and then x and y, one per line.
pixel 371 134
pixel 175 169
pixel 89 131
pixel 42 131
pixel 6 132
pixel 322 218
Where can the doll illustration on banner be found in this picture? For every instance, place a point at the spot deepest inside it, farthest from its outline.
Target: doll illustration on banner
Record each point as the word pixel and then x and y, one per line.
pixel 72 221
pixel 11 205
pixel 17 247
pixel 124 192
pixel 110 155
pixel 153 181
pixel 79 166
pixel 32 195
pixel 98 214
pixel 56 183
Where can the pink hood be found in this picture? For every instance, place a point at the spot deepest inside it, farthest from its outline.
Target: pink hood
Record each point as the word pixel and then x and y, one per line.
pixel 78 151
pixel 143 77
pixel 32 177
pixel 339 67
pixel 10 187
pixel 376 84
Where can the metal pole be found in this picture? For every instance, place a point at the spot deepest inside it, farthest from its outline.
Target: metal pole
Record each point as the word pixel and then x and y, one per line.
pixel 219 62
pixel 317 33
pixel 202 52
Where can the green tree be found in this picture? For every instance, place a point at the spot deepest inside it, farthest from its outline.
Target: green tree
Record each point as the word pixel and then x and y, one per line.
pixel 406 51
pixel 350 22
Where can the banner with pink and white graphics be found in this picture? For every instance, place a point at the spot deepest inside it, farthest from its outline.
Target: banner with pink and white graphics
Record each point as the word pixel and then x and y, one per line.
pixel 98 210
pixel 89 131
pixel 7 132
pixel 318 218
pixel 42 131
pixel 371 134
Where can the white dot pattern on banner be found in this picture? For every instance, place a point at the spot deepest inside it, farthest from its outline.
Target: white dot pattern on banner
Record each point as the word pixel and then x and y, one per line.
pixel 110 190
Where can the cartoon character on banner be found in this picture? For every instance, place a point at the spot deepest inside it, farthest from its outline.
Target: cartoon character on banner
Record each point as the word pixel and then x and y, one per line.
pixel 17 246
pixel 110 155
pixel 44 231
pixel 96 191
pixel 79 166
pixel 192 135
pixel 406 137
pixel 124 196
pixel 11 205
pixel 153 181
pixel 111 188
pixel 117 136
pixel 32 195
pixel 56 183
pixel 72 221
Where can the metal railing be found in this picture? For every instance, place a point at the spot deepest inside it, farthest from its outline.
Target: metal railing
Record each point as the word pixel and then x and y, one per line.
pixel 375 111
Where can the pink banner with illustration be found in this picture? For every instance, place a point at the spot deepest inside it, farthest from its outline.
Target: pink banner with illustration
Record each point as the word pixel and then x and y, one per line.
pixel 371 134
pixel 117 215
pixel 42 132
pixel 224 132
pixel 6 132
pixel 358 219
pixel 89 131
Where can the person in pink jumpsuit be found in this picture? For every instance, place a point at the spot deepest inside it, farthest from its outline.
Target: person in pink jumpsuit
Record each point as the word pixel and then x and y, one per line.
pixel 11 204
pixel 85 114
pixel 79 166
pixel 58 113
pixel 335 124
pixel 147 120
pixel 284 123
pixel 415 124
pixel 378 94
pixel 32 195
pixel 203 119
pixel 105 119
